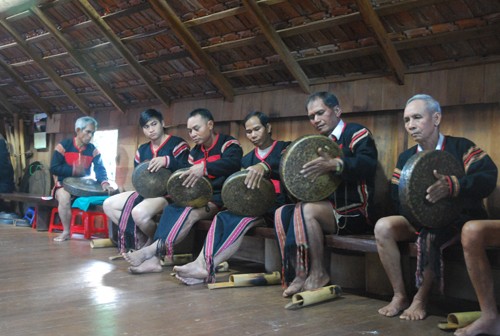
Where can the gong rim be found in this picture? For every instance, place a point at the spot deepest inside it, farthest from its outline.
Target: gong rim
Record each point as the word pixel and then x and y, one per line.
pixel 299 152
pixel 243 201
pixel 195 197
pixel 416 176
pixel 83 186
pixel 148 184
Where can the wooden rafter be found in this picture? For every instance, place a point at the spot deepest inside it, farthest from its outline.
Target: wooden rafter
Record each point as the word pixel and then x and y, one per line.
pixel 42 104
pixel 278 44
pixel 101 84
pixel 127 55
pixel 164 9
pixel 7 105
pixel 419 42
pixel 391 56
pixel 46 68
pixel 226 13
pixel 310 27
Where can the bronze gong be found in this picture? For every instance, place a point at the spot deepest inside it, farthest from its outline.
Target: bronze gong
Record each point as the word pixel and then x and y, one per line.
pixel 83 186
pixel 242 201
pixel 149 184
pixel 196 197
pixel 417 175
pixel 301 151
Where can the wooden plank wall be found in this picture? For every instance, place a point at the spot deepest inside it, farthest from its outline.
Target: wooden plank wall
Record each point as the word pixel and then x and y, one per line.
pixel 469 96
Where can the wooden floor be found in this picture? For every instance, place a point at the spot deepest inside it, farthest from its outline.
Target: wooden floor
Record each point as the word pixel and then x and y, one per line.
pixel 49 288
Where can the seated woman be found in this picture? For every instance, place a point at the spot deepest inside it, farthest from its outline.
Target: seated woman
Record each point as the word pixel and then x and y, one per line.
pixel 227 230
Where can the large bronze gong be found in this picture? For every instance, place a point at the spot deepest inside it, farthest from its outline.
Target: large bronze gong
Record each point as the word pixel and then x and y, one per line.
pixel 149 184
pixel 301 151
pixel 83 186
pixel 242 201
pixel 417 175
pixel 196 197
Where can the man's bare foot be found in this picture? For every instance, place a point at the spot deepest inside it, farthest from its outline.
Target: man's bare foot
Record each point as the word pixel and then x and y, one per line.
pixel 483 325
pixel 190 281
pixel 191 270
pixel 137 257
pixel 62 237
pixel 151 265
pixel 315 281
pixel 295 287
pixel 415 312
pixel 397 305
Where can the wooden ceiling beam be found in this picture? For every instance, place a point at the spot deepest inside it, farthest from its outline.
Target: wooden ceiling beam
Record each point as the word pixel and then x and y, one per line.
pixel 419 42
pixel 389 52
pixel 42 104
pixel 63 86
pixel 277 43
pixel 101 84
pixel 127 55
pixel 197 53
pixel 448 37
pixel 326 23
pixel 243 42
pixel 254 70
pixel 451 64
pixel 408 5
pixel 126 12
pixel 225 13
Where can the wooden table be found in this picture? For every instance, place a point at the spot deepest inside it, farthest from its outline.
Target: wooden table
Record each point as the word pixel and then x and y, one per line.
pixel 42 207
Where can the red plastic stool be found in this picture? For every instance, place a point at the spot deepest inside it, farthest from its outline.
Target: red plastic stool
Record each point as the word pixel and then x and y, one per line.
pixel 97 223
pixel 79 222
pixel 53 225
pixel 89 223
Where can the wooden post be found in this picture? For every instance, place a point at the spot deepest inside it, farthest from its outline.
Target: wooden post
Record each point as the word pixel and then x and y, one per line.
pixel 21 145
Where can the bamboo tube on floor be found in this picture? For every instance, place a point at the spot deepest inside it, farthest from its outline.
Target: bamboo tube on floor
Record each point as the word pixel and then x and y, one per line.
pixel 103 242
pixel 307 298
pixel 459 320
pixel 252 279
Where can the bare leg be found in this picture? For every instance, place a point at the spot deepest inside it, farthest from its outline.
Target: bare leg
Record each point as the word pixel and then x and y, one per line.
pixel 197 269
pixel 64 208
pixel 476 235
pixel 113 205
pixel 388 231
pixel 143 214
pixel 318 217
pixel 194 216
pixel 417 309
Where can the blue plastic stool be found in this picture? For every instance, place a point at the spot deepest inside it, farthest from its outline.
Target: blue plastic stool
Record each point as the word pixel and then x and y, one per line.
pixel 30 215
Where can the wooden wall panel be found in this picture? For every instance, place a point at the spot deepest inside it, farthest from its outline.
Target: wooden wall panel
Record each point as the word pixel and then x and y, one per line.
pixel 491 83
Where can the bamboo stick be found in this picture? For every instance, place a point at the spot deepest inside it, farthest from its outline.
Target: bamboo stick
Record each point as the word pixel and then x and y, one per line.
pixel 18 168
pixel 21 145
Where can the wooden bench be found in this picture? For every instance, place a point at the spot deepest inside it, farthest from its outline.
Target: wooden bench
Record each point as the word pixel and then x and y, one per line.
pixel 355 243
pixel 42 207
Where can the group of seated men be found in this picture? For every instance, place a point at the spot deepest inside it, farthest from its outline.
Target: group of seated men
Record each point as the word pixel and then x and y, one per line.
pixel 300 226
